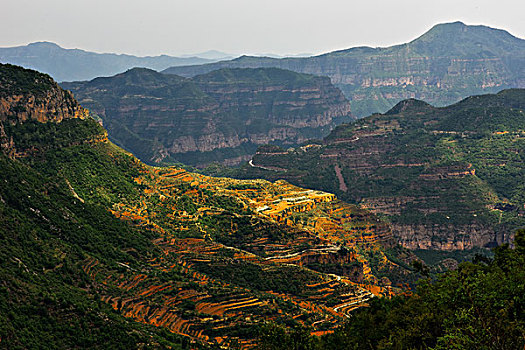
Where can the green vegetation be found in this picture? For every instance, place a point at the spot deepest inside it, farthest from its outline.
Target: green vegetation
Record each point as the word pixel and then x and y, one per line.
pixel 443 170
pixel 478 306
pixel 46 300
pixel 16 81
pixel 280 279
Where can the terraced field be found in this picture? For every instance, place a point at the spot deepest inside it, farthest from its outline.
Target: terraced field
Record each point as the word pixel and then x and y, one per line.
pixel 235 254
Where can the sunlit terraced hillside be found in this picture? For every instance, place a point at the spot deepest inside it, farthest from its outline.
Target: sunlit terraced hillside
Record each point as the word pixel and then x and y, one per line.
pixel 104 248
pixel 247 252
pixel 449 178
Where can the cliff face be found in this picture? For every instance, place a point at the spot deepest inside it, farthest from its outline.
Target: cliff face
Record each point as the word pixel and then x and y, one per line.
pixel 448 178
pixel 39 98
pixel 220 116
pixel 448 63
pixel 450 237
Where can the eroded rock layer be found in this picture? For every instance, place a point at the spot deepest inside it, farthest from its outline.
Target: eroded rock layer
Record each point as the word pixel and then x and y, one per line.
pixel 221 116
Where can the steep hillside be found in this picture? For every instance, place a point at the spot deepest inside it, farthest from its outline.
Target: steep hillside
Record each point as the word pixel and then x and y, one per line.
pixel 449 62
pixel 89 234
pixel 74 64
pixel 448 178
pixel 47 230
pixel 220 116
pixel 477 306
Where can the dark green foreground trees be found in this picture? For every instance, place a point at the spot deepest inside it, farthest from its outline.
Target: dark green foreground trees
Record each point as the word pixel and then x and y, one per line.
pixel 481 305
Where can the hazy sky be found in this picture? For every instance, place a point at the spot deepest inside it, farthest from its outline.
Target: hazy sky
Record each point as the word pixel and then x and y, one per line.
pixel 152 27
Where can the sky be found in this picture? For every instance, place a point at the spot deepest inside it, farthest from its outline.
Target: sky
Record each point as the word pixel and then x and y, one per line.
pixel 175 27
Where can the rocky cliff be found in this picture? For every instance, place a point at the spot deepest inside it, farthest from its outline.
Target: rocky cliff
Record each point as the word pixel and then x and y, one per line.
pixel 448 178
pixel 220 116
pixel 449 62
pixel 37 98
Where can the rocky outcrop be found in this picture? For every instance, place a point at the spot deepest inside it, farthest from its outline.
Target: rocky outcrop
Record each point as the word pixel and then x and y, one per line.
pixel 7 145
pixel 218 117
pixel 54 106
pixel 39 98
pixel 449 237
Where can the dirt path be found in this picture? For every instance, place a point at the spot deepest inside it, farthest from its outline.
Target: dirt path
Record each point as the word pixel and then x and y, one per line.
pixel 342 184
pixel 271 168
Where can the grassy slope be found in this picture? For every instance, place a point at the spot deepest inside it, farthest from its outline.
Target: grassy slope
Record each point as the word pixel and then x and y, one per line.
pixel 46 232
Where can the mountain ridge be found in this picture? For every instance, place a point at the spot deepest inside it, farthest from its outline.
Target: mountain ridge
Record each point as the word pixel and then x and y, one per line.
pixel 438 67
pixel 77 64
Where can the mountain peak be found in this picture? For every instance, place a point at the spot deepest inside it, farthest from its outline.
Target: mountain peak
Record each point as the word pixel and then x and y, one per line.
pixel 410 104
pixel 136 76
pixel 462 29
pixel 45 44
pixel 140 70
pixel 458 39
pixel 457 25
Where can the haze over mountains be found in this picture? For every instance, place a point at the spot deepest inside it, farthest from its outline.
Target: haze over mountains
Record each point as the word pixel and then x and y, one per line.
pixel 210 55
pixel 74 64
pixel 449 62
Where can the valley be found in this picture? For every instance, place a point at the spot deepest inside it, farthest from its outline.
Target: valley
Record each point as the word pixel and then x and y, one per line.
pixel 248 252
pixel 207 259
pixel 241 204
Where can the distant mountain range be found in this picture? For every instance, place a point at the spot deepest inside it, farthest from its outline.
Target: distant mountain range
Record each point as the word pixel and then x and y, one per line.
pixel 211 55
pixel 74 64
pixel 220 116
pixel 449 62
